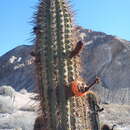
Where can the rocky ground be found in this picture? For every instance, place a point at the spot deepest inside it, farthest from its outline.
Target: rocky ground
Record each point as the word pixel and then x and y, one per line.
pixel 17 114
pixel 18 111
pixel 115 114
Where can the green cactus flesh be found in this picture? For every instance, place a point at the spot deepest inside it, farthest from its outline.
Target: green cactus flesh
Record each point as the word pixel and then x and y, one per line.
pixel 92 111
pixel 55 70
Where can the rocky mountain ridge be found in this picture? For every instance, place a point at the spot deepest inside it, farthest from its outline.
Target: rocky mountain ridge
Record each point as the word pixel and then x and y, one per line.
pixel 17 68
pixel 103 55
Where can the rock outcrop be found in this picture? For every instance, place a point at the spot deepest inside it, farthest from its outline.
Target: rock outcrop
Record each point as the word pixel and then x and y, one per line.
pixel 107 56
pixel 17 69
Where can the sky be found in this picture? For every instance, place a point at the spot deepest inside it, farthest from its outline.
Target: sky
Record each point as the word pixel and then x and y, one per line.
pixel 109 16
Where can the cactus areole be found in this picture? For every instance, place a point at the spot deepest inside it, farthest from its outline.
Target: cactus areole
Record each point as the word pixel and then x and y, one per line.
pixel 56 69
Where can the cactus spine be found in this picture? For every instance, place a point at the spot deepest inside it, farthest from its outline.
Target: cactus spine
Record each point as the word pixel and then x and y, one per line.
pixel 55 70
pixel 92 111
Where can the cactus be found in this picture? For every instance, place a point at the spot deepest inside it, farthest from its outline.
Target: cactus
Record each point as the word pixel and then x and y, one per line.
pixel 92 111
pixel 39 125
pixel 56 68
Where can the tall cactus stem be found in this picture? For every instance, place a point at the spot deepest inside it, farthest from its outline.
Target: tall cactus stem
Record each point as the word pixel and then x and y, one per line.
pixel 54 42
pixel 92 111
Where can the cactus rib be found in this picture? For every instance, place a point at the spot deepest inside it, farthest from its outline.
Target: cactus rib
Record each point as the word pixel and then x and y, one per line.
pixel 56 70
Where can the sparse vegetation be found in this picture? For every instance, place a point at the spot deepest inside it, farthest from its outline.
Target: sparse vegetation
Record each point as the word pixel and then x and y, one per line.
pixel 6 105
pixel 7 91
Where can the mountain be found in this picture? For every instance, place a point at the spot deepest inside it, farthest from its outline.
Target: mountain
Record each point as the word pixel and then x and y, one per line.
pixel 107 56
pixel 17 68
pixel 103 55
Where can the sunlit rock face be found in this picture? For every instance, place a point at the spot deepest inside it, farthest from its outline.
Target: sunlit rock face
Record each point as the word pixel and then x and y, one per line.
pixel 103 55
pixel 108 57
pixel 17 69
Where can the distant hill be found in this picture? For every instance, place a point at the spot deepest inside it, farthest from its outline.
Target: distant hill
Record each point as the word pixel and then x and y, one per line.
pixel 17 69
pixel 103 55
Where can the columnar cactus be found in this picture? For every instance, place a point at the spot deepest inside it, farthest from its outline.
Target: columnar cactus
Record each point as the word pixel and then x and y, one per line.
pixel 56 68
pixel 92 111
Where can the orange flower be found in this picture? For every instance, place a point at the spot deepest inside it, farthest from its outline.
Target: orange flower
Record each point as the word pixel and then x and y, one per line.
pixel 75 89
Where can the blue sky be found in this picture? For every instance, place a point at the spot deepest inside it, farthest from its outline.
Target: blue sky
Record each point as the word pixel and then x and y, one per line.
pixel 109 16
